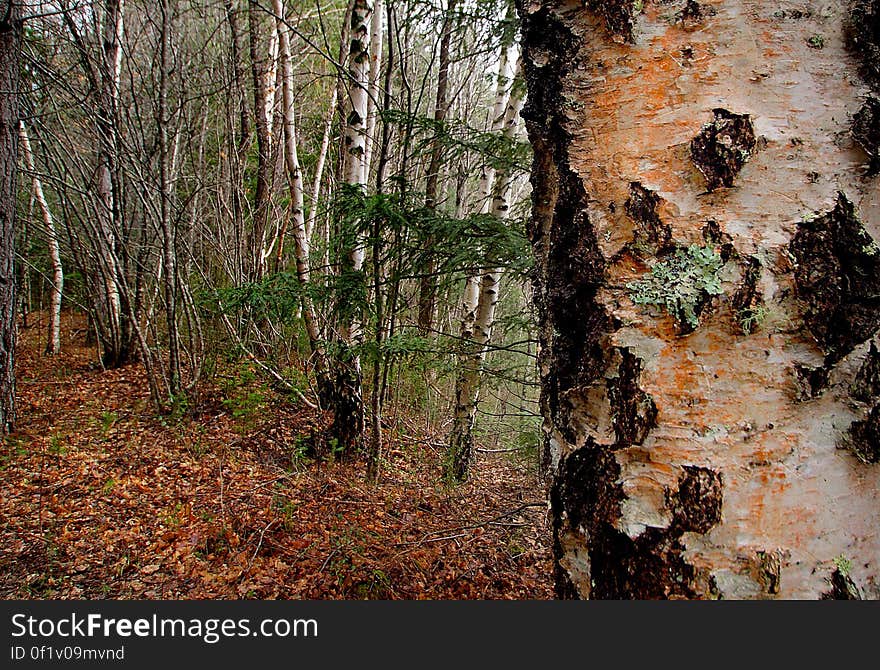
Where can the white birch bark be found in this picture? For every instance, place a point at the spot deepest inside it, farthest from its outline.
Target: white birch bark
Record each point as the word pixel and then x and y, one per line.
pixel 479 320
pixel 53 345
pixel 376 35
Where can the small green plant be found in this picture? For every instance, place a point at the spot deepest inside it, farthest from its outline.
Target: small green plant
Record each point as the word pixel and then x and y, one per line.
pixel 682 284
pixel 244 398
pixel 57 446
pixel 752 318
pixel 108 419
pixel 286 509
pixel 14 446
pixel 843 564
pixel 816 42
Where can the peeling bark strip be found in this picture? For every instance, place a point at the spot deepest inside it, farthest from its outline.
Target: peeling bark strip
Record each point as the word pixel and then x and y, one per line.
pixel 838 277
pixel 682 465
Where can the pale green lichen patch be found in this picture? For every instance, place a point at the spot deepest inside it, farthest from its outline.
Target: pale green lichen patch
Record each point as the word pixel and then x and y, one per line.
pixel 683 284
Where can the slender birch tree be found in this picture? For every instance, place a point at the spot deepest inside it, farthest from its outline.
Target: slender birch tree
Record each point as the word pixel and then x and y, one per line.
pixel 348 404
pixel 479 304
pixel 53 343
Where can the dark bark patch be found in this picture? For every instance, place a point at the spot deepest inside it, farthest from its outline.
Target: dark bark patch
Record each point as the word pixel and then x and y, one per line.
pixel 715 236
pixel 866 385
pixel 769 564
pixel 837 276
pixel 347 429
pixel 842 587
pixel 633 411
pixel 697 504
pixel 570 267
pixel 575 272
pixel 864 437
pixel 586 499
pixel 693 14
pixel 641 207
pixel 619 16
pixel 863 37
pixel 810 381
pixel 866 131
pixel 722 147
pixel 747 302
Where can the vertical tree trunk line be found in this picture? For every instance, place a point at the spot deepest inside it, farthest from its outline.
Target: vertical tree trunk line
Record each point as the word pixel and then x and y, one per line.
pixel 10 58
pixel 428 280
pixel 53 342
pixel 479 303
pixel 348 403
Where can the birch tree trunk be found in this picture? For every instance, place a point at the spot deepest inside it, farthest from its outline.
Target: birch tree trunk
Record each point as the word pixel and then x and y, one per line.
pixel 167 226
pixel 297 213
pixel 53 344
pixel 428 281
pixel 348 403
pixel 10 55
pixel 376 35
pixel 117 338
pixel 238 138
pixel 479 320
pixel 707 284
pixel 260 219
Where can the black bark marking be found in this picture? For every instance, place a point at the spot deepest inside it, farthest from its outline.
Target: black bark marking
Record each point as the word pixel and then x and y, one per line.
pixel 837 276
pixel 633 411
pixel 570 267
pixel 619 16
pixel 866 131
pixel 863 37
pixel 693 14
pixel 697 504
pixel 864 437
pixel 747 301
pixel 585 496
pixel 722 147
pixel 842 587
pixel 641 207
pixel 810 381
pixel 714 235
pixel 866 386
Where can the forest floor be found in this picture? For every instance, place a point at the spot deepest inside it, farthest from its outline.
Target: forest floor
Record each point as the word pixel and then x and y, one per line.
pixel 102 498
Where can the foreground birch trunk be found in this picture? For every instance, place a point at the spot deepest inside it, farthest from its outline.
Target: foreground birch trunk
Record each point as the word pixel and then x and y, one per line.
pixel 707 288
